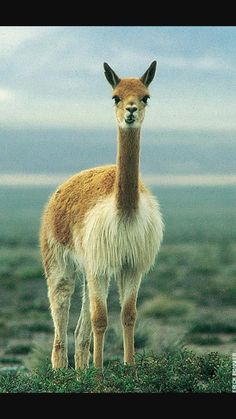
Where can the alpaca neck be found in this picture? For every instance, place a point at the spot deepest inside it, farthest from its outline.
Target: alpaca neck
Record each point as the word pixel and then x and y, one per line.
pixel 127 177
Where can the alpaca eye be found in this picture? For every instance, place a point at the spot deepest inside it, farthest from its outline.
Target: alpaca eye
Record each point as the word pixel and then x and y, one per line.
pixel 116 99
pixel 145 99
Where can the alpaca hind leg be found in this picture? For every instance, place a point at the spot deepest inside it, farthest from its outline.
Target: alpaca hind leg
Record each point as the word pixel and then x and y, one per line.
pixel 60 290
pixel 128 285
pixel 83 332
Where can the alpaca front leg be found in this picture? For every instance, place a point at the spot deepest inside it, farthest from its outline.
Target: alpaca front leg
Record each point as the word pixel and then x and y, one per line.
pixel 59 293
pixel 98 290
pixel 128 317
pixel 128 287
pixel 99 325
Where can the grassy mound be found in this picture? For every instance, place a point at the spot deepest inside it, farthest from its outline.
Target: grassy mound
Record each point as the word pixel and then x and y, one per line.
pixel 179 372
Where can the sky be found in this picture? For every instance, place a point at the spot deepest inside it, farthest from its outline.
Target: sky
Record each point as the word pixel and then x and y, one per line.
pixel 52 77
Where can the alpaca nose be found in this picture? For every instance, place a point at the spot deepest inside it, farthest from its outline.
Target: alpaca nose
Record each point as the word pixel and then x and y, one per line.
pixel 131 109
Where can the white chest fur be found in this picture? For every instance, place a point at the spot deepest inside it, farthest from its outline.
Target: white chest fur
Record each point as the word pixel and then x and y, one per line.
pixel 111 242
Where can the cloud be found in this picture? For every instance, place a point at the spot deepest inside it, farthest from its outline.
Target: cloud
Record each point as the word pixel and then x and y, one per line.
pixel 25 112
pixel 191 112
pixel 5 95
pixel 202 63
pixel 12 37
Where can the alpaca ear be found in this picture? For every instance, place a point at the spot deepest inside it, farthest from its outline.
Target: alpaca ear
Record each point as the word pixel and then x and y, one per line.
pixel 111 76
pixel 148 76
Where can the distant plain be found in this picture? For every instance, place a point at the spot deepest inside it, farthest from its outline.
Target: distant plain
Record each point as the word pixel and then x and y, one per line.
pixel 187 300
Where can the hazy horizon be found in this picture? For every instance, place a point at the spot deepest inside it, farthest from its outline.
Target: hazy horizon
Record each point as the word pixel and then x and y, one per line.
pixel 163 152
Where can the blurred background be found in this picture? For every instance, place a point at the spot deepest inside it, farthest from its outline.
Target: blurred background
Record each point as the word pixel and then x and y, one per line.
pixel 57 118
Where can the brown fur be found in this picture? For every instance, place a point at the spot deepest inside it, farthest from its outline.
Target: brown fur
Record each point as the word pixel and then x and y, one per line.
pixel 131 87
pixel 127 180
pixel 69 204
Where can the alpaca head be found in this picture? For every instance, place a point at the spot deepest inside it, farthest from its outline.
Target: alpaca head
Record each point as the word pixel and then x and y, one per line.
pixel 130 96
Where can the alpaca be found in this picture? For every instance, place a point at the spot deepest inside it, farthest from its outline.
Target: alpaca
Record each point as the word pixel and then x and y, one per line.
pixel 105 223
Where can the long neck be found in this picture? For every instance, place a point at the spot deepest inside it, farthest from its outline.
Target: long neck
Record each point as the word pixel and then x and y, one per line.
pixel 127 177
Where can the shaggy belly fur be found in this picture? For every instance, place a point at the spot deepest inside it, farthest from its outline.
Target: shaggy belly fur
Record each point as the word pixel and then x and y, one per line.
pixel 112 242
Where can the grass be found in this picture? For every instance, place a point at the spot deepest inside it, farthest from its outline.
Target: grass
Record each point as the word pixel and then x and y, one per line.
pixel 211 325
pixel 181 372
pixel 205 340
pixel 164 307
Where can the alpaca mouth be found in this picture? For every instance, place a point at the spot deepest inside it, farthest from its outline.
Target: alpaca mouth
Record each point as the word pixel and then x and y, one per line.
pixel 130 119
